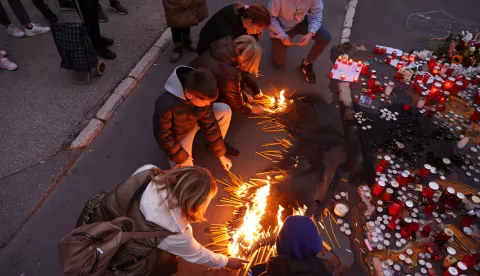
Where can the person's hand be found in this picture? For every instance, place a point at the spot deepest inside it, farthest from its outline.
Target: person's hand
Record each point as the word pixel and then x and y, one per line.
pixel 257 109
pixel 189 162
pixel 305 39
pixel 235 263
pixel 259 95
pixel 226 163
pixel 287 41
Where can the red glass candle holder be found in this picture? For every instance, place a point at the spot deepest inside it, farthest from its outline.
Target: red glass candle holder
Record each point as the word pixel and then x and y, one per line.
pixel 402 179
pixel 426 230
pixel 385 161
pixel 435 88
pixel 394 54
pixel 418 77
pixel 339 58
pixel 355 79
pixel 476 80
pixel 365 68
pixel 344 60
pixel 399 65
pixel 383 50
pixel 342 77
pixel 448 84
pixel 469 260
pixel 412 58
pixel 447 195
pixel 376 49
pixel 388 60
pixel 476 98
pixel 418 86
pixel 395 208
pixel 350 61
pixel 379 187
pixel 371 81
pixel 335 66
pixel 387 196
pixel 359 63
pixel 466 82
pixel 406 107
pixel 459 77
pixel 330 75
pixel 466 221
pixel 405 57
pixel 436 70
pixel 425 171
pixel 476 115
pixel 393 223
pixel 405 231
pixel 430 190
pixel 414 226
pixel 432 62
pixel 444 235
pixel 457 87
pixel 429 208
pixel 451 271
pixel 426 77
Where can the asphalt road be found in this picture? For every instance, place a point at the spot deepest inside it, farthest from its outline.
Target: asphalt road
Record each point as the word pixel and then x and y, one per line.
pixel 127 143
pixel 42 111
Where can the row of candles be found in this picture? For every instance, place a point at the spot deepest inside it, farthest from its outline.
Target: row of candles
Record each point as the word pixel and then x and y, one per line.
pixel 433 199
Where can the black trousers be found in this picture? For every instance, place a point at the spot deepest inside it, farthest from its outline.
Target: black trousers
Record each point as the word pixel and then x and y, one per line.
pixel 178 34
pixel 89 10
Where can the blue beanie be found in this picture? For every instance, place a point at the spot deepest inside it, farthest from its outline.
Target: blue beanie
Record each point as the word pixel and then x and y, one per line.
pixel 298 238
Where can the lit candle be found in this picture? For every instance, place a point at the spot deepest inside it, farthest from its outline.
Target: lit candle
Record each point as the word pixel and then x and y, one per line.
pixel 359 64
pixel 355 79
pixel 405 57
pixel 339 58
pixel 350 61
pixel 342 77
pixel 457 87
pixel 432 62
pixel 365 68
pixel 435 88
pixel 399 65
pixel 436 70
pixel 371 81
pixel 449 83
pixel 345 60
pixel 411 58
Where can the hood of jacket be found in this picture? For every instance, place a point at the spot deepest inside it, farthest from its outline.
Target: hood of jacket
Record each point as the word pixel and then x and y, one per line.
pixel 285 266
pixel 175 82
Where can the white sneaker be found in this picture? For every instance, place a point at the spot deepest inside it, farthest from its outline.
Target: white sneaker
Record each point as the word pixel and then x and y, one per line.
pixel 7 64
pixel 36 29
pixel 3 53
pixel 14 31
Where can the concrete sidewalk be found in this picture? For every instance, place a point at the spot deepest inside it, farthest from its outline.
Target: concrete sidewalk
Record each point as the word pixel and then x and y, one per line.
pixel 42 111
pixel 126 143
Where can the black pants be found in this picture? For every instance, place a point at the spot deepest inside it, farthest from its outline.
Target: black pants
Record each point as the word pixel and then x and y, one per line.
pixel 89 9
pixel 178 34
pixel 19 11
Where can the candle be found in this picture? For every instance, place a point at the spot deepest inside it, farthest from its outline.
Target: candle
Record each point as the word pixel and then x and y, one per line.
pixel 436 70
pixel 451 271
pixel 389 59
pixel 373 73
pixel 365 68
pixel 342 77
pixel 426 77
pixel 448 84
pixel 461 267
pixel 444 235
pixel 405 232
pixel 447 195
pixel 385 160
pixel 430 190
pixel 399 65
pixel 387 196
pixel 376 49
pixel 394 54
pixel 335 66
pixel 412 58
pixel 345 60
pixel 359 63
pixel 419 87
pixel 469 260
pixel 435 88
pixel 355 79
pixel 395 207
pixel 339 58
pixel 457 87
pixel 350 61
pixel 429 208
pixel 432 62
pixel 425 171
pixel 426 230
pixel 476 115
pixel 379 187
pixel 406 107
pixel 405 57
pixel 330 75
pixel 383 50
pixel 466 82
pixel 476 80
pixel 371 81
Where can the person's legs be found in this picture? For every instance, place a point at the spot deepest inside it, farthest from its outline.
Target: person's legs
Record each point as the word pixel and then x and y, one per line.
pixel 322 39
pixel 223 113
pixel 187 144
pixel 187 40
pixel 279 52
pixel 45 10
pixel 20 12
pixel 177 44
pixel 4 17
pixel 119 8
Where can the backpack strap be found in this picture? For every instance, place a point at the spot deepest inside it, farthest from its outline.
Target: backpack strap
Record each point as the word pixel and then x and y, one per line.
pixel 149 235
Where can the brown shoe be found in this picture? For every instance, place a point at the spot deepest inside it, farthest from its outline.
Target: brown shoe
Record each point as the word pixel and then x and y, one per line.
pixel 188 44
pixel 177 53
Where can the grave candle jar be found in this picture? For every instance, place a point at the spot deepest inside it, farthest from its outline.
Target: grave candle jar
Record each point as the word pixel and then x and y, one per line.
pixel 405 232
pixel 457 87
pixel 383 50
pixel 476 99
pixel 426 77
pixel 379 187
pixel 365 68
pixel 459 77
pixel 419 86
pixel 451 271
pixel 466 82
pixel 350 61
pixel 330 75
pixel 389 59
pixel 444 235
pixel 371 82
pixel 469 260
pixel 447 195
pixel 395 207
pixel 335 66
pixel 342 77
pixel 412 58
pixel 426 230
pixel 385 161
pixel 405 57
pixel 418 76
pixel 394 54
pixel 376 49
pixel 436 70
pixel 373 73
pixel 393 223
pixel 387 196
pixel 429 208
pixel 448 84
pixel 476 115
pixel 432 62
pixel 345 59
pixel 461 267
pixel 450 259
pixel 407 221
pixel 339 58
pixel 435 88
pixel 355 79
pixel 399 65
pixel 414 226
pixel 476 80
pixel 430 190
pixel 444 69
pixel 402 178
pixel 425 171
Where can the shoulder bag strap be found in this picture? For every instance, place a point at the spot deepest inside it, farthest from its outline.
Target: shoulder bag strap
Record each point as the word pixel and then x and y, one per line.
pixel 149 235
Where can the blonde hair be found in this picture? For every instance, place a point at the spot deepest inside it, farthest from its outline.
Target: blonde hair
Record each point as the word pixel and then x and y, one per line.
pixel 192 188
pixel 249 53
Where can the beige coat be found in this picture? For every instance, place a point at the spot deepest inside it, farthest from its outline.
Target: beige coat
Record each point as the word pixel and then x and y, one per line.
pixel 185 13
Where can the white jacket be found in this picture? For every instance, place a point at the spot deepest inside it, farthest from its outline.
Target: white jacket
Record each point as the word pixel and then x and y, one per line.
pixel 154 208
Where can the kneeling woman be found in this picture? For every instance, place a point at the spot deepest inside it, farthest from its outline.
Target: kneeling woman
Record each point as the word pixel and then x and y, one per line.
pixel 164 201
pixel 228 58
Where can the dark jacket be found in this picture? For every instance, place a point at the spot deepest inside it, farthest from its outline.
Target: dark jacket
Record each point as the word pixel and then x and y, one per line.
pixel 222 61
pixel 175 117
pixel 125 201
pixel 285 266
pixel 184 13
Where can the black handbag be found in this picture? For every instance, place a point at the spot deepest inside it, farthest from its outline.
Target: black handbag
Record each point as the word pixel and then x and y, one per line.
pixel 74 46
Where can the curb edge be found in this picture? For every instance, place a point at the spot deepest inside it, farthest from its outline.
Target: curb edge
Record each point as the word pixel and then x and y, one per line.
pixel 121 92
pixel 348 20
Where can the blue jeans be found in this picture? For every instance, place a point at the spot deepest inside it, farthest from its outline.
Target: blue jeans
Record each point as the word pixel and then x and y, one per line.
pixel 322 38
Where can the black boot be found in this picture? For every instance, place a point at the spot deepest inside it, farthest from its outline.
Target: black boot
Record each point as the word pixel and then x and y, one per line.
pixel 102 16
pixel 307 70
pixel 107 41
pixel 106 54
